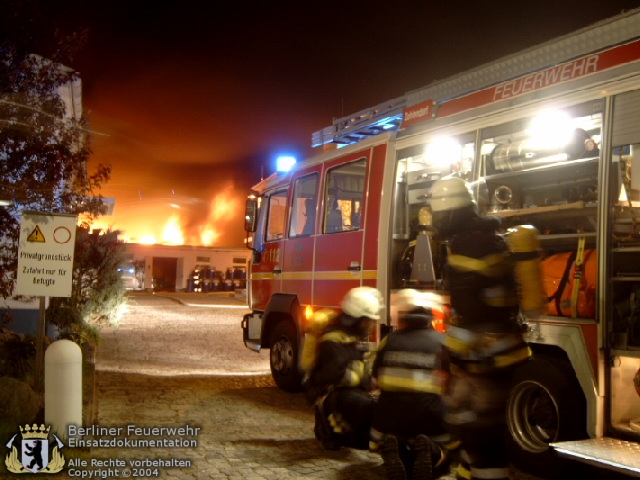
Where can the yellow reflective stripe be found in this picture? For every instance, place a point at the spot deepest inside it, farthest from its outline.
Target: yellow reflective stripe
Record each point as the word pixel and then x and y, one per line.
pixel 499 361
pixel 352 379
pixel 338 337
pixel 294 276
pixel 406 379
pixel 457 345
pixel 317 275
pixel 503 301
pixel 370 274
pixel 354 373
pixel 332 275
pixel 494 265
pixel 512 357
pixel 262 276
pixel 463 472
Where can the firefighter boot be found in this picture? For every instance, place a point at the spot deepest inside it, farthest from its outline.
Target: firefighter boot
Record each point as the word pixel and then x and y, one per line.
pixel 422 447
pixel 391 458
pixel 323 431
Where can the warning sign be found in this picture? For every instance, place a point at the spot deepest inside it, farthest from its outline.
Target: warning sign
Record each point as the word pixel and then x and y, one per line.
pixel 36 235
pixel 45 254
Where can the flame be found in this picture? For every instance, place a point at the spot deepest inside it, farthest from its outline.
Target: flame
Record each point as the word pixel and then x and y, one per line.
pixel 180 221
pixel 221 210
pixel 148 240
pixel 172 233
pixel 208 235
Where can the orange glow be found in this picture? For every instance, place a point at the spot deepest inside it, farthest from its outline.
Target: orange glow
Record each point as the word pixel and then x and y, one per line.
pixel 172 233
pixel 208 235
pixel 148 240
pixel 179 219
pixel 221 211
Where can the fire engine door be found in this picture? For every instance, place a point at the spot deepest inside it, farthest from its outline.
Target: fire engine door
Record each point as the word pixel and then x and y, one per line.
pixel 298 257
pixel 266 269
pixel 624 331
pixel 339 247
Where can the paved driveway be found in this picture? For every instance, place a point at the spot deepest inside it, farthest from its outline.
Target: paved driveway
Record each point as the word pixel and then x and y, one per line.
pixel 169 365
pixel 180 363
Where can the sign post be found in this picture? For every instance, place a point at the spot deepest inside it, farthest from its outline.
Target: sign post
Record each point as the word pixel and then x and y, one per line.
pixel 45 265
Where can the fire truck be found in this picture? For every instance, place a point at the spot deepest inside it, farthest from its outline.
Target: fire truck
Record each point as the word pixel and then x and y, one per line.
pixel 548 137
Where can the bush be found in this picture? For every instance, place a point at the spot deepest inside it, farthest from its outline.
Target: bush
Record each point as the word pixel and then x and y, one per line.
pixel 98 296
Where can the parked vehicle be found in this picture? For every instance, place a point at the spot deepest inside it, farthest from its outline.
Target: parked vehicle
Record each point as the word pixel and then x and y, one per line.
pixel 549 137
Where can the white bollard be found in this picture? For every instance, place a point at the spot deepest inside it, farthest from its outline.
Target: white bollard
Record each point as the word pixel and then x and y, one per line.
pixel 62 386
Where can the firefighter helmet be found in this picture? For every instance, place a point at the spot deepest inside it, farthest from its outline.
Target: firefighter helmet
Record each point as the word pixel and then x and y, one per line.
pixel 409 300
pixel 363 302
pixel 451 193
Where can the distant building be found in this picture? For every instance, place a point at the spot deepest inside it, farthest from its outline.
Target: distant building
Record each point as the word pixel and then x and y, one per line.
pixel 185 267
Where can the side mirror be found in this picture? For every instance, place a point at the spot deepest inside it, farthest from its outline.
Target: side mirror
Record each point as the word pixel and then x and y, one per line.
pixel 251 215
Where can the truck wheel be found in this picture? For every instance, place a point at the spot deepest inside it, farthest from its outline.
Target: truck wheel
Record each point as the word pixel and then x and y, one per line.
pixel 283 358
pixel 546 404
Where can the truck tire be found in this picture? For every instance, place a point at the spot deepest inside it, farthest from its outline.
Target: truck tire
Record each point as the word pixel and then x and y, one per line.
pixel 283 357
pixel 546 404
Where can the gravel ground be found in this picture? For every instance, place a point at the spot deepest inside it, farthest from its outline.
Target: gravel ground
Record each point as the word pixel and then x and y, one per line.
pixel 179 340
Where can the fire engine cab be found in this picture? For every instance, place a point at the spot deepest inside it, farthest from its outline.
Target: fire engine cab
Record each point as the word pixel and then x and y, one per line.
pixel 549 137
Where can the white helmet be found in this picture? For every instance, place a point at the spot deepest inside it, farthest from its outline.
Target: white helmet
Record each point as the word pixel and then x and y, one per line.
pixel 409 300
pixel 363 302
pixel 450 193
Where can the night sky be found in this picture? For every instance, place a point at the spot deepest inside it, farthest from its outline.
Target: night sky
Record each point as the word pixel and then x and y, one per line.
pixel 190 101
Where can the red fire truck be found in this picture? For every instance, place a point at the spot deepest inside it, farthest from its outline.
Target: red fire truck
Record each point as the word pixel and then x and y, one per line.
pixel 549 137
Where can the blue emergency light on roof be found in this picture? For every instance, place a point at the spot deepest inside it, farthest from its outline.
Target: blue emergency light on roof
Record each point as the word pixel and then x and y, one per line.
pixel 285 163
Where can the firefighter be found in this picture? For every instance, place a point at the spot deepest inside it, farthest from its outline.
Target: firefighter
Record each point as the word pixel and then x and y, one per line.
pixel 340 379
pixel 408 425
pixel 486 343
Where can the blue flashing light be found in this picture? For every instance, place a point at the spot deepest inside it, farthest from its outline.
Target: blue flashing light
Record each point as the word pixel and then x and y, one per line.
pixel 285 163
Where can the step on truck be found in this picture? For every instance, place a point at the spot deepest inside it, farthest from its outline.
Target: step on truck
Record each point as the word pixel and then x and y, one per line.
pixel 548 137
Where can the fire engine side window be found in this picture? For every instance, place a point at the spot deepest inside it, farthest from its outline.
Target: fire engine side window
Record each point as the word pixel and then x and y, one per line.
pixel 545 146
pixel 303 209
pixel 343 197
pixel 276 216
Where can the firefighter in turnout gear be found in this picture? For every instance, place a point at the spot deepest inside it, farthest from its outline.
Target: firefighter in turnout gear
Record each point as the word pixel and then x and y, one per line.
pixel 485 344
pixel 408 426
pixel 340 380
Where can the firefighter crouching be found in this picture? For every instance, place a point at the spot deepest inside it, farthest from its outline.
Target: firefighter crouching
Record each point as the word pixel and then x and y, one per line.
pixel 340 379
pixel 486 343
pixel 408 425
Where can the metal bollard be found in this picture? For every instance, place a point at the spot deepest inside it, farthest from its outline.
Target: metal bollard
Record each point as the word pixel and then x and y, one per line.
pixel 63 386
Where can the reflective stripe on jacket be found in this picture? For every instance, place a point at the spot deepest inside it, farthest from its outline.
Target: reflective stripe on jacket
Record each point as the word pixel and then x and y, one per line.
pixel 478 352
pixel 408 360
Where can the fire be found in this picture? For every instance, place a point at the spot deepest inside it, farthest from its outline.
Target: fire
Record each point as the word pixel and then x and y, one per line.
pixel 148 240
pixel 208 235
pixel 172 233
pixel 183 220
pixel 221 211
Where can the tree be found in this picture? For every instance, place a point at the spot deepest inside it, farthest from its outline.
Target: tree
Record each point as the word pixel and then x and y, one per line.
pixel 44 147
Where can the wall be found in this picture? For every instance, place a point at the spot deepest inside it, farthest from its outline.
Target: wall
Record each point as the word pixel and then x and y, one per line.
pixel 187 258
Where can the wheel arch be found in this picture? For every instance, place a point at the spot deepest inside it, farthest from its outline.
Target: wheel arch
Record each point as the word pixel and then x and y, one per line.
pixel 563 360
pixel 281 307
pixel 546 404
pixel 566 343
